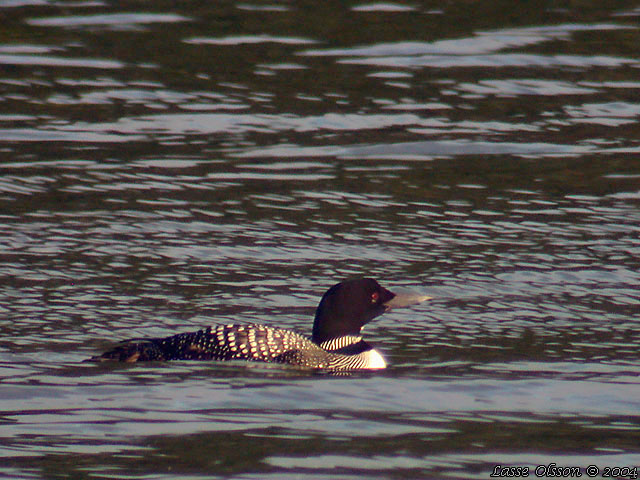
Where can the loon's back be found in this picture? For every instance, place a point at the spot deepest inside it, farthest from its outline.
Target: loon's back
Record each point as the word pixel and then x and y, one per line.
pixel 258 343
pixel 335 344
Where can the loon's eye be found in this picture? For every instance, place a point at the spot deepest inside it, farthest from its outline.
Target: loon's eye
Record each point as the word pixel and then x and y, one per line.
pixel 374 297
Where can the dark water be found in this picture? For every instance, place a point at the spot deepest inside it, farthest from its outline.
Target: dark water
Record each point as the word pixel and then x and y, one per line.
pixel 166 166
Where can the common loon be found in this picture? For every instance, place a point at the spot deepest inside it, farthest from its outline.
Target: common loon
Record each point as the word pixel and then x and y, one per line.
pixel 335 343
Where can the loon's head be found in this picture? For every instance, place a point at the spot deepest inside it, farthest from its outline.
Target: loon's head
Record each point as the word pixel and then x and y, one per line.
pixel 350 305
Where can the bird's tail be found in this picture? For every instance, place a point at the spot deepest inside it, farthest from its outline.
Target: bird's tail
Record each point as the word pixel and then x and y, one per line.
pixel 132 351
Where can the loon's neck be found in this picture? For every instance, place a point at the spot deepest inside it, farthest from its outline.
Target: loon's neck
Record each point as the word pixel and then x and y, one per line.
pixel 358 351
pixel 339 343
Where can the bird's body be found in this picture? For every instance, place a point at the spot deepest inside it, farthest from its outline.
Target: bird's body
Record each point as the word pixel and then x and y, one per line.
pixel 336 343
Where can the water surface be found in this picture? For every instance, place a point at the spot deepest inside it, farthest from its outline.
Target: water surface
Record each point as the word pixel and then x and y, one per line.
pixel 165 167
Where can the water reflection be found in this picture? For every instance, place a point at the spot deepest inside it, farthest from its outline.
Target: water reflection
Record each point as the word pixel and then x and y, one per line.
pixel 52 61
pixel 248 39
pixel 117 21
pixel 478 51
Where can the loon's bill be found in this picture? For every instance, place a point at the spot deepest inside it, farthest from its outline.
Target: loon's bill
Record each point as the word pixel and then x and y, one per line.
pixel 406 299
pixel 335 344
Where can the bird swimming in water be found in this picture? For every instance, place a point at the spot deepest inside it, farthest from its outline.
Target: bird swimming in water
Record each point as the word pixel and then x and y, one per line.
pixel 335 343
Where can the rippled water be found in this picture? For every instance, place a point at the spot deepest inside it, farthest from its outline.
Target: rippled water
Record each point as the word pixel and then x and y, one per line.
pixel 164 167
